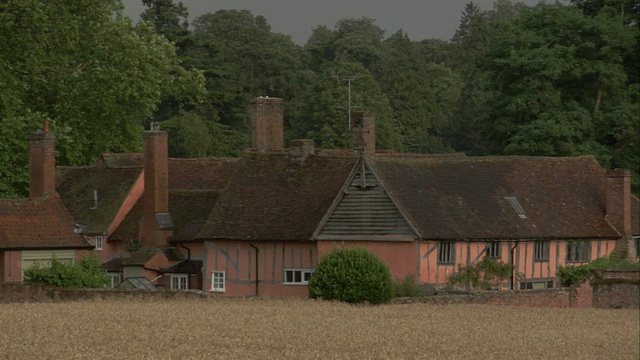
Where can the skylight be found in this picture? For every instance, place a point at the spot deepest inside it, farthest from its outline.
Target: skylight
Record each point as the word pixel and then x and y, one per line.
pixel 516 206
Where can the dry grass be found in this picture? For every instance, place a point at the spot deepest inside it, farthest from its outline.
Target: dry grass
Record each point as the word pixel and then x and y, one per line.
pixel 307 329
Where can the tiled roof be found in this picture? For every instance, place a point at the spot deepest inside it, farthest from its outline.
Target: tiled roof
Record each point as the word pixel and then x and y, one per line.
pixel 202 173
pixel 42 223
pixel 468 198
pixel 192 266
pixel 76 186
pixel 274 197
pixel 121 160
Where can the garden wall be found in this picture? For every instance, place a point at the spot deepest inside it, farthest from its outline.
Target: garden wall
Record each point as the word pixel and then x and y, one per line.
pixel 558 298
pixel 607 289
pixel 616 289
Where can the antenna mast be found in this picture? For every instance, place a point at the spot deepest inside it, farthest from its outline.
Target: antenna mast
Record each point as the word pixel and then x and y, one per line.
pixel 349 80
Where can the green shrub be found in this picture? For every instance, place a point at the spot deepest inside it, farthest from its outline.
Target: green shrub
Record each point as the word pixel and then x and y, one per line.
pixel 353 276
pixel 85 274
pixel 409 286
pixel 485 275
pixel 570 275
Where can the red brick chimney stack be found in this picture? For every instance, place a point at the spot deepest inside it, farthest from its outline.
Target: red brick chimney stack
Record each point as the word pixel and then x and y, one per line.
pixel 618 193
pixel 156 222
pixel 363 133
pixel 42 162
pixel 267 129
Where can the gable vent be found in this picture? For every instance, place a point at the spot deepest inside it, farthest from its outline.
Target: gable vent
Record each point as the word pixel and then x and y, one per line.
pixel 516 206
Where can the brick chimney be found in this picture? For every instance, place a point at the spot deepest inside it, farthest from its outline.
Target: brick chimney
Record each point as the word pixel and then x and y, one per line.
pixel 42 162
pixel 267 132
pixel 363 133
pixel 618 194
pixel 156 221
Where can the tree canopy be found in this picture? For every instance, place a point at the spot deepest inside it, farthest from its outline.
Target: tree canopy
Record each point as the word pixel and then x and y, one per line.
pixel 549 80
pixel 83 65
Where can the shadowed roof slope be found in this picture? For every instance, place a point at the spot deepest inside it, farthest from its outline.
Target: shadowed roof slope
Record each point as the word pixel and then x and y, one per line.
pixel 42 223
pixel 113 184
pixel 194 188
pixel 478 198
pixel 273 197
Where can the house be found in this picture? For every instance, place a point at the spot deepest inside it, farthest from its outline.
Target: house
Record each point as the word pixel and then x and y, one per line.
pixel 259 224
pixel 36 229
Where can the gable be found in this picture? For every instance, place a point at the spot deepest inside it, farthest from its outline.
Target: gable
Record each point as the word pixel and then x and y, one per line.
pixel 366 212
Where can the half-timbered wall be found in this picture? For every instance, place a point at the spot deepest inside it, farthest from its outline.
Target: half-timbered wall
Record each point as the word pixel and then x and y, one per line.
pixel 239 260
pixel 522 254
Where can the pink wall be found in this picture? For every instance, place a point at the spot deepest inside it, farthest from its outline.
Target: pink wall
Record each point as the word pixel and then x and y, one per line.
pixel 400 257
pixel 238 260
pixel 10 266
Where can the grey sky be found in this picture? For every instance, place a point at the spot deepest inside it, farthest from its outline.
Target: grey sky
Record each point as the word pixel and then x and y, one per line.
pixel 421 19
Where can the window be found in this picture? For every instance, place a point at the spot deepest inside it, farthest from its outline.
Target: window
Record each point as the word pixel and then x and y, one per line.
pixel 446 252
pixel 637 242
pixel 541 251
pixel 217 281
pixel 297 276
pixel 529 285
pixel 179 282
pixel 115 279
pixel 578 251
pixel 98 242
pixel 494 250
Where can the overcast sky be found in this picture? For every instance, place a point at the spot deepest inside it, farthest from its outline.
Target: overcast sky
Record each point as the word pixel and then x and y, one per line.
pixel 421 19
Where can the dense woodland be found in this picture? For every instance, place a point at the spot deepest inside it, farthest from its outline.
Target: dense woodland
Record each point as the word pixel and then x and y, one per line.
pixel 549 80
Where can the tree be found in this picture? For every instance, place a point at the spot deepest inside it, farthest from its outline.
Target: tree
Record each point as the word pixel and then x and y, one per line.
pixel 168 19
pixel 558 77
pixel 84 66
pixel 422 95
pixel 325 116
pixel 353 276
pixel 241 58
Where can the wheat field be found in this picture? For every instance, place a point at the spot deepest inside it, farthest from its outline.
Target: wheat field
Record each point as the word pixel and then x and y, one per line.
pixel 309 329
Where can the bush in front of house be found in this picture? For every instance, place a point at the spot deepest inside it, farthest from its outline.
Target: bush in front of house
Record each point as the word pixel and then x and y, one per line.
pixel 352 275
pixel 570 275
pixel 86 273
pixel 483 275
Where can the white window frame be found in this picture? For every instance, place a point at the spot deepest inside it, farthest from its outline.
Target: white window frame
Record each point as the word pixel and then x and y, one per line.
pixel 115 279
pixel 218 281
pixel 297 276
pixel 179 281
pixel 99 242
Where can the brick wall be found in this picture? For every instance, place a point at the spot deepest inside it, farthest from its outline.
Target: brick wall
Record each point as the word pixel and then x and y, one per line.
pixel 608 289
pixel 616 289
pixel 31 293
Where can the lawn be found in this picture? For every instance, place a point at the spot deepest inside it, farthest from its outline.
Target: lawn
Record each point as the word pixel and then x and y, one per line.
pixel 308 329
